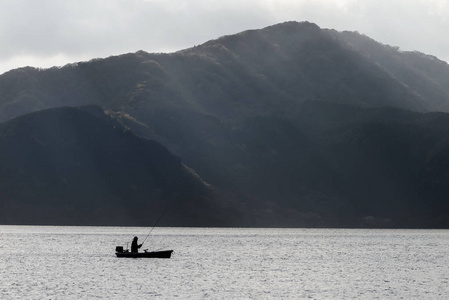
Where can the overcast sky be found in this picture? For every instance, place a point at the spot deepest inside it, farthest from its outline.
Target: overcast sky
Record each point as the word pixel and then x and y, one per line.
pixel 45 33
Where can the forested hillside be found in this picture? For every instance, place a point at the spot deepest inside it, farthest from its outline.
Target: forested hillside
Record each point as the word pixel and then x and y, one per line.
pixel 254 72
pixel 78 166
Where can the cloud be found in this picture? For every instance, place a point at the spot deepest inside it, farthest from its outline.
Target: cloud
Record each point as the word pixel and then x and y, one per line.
pixel 44 33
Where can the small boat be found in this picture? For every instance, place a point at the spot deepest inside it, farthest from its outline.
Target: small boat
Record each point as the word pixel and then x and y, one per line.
pixel 120 252
pixel 154 254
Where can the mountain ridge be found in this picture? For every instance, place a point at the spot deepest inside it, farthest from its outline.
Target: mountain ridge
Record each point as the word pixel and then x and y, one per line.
pixel 290 61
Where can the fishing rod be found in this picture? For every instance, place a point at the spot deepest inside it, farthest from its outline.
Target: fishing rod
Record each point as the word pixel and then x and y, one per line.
pixel 157 221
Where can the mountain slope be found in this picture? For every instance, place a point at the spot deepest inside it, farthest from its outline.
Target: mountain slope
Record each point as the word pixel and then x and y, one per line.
pixel 308 63
pixel 78 166
pixel 328 165
pixel 331 166
pixel 424 74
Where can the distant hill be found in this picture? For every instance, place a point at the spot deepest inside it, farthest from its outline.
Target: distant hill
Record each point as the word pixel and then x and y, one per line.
pixel 332 165
pixel 290 125
pixel 79 166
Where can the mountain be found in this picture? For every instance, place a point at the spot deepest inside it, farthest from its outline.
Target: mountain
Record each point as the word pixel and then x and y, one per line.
pixel 332 165
pixel 78 166
pixel 290 125
pixel 247 74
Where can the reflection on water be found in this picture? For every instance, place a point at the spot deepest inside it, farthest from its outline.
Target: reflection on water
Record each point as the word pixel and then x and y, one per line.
pixel 79 262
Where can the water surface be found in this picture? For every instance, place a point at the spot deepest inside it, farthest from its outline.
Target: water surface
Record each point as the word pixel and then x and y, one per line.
pixel 79 263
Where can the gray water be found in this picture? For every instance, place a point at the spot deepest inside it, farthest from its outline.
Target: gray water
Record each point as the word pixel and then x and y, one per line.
pixel 216 263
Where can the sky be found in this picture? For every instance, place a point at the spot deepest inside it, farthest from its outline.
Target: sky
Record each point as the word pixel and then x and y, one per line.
pixel 46 33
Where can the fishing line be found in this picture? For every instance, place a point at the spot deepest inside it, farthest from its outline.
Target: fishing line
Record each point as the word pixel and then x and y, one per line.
pixel 157 221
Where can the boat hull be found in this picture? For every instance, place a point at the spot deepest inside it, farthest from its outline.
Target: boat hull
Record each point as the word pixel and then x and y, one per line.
pixel 155 254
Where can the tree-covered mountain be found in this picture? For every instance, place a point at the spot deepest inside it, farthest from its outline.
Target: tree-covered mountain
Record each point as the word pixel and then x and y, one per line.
pixel 291 125
pixel 250 73
pixel 332 165
pixel 79 166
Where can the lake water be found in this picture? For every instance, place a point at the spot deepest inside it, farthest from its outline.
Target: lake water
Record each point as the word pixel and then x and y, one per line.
pixel 214 263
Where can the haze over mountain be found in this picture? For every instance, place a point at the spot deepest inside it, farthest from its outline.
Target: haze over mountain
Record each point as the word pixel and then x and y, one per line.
pixel 294 124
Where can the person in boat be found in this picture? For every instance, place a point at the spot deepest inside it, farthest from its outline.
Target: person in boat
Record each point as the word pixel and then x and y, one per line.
pixel 135 246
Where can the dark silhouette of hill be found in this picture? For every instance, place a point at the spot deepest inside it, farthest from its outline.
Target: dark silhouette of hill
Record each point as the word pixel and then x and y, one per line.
pixel 332 165
pixel 79 166
pixel 291 125
pixel 386 162
pixel 328 165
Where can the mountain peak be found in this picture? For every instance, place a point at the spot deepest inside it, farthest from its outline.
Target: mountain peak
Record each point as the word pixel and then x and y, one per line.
pixel 294 25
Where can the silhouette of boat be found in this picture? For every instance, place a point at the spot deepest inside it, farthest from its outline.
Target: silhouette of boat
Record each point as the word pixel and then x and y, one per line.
pixel 120 252
pixel 153 254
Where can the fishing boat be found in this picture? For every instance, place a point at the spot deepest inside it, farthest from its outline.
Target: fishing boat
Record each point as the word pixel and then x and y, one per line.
pixel 153 254
pixel 134 253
